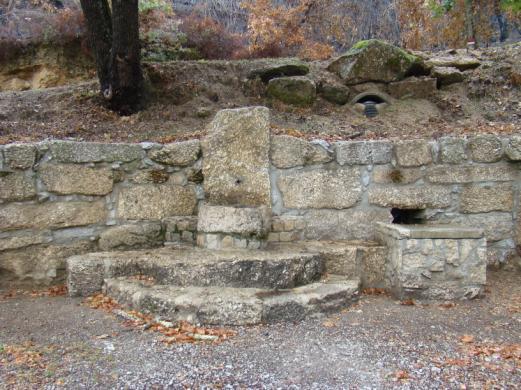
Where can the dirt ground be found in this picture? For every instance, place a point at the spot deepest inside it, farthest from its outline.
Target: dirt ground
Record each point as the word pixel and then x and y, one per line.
pixel 58 342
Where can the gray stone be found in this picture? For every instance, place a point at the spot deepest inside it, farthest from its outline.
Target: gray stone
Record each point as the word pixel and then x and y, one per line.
pixel 470 173
pixel 82 152
pixel 390 175
pixel 320 188
pixel 17 186
pixel 236 158
pixel 452 150
pixel 289 152
pixel 363 152
pixel 54 215
pixel 76 179
pixel 247 221
pixel 497 226
pixel 149 201
pixel 178 153
pixel 413 153
pixel 399 231
pixel 485 148
pixel 413 88
pixel 482 199
pixel 297 90
pixel 18 242
pixel 447 76
pixel 279 68
pixel 335 93
pixel 513 150
pixel 144 235
pixel 410 197
pixel 19 156
pixel 156 176
pixel 459 62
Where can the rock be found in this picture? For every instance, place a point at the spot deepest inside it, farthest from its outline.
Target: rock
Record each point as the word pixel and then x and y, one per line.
pixel 19 156
pixel 513 150
pixel 156 201
pixel 297 90
pixel 447 76
pixel 245 221
pixel 452 150
pixel 144 235
pixel 413 88
pixel 178 153
pixel 363 152
pixel 17 186
pixel 18 242
pixel 236 158
pixel 459 62
pixel 52 215
pixel 76 179
pixel 289 152
pixel 485 148
pixel 335 93
pixel 82 152
pixel 16 84
pixel 373 60
pixel 410 197
pixel 469 173
pixel 321 188
pixel 280 68
pixel 390 175
pixel 483 199
pixel 413 153
pixel 497 226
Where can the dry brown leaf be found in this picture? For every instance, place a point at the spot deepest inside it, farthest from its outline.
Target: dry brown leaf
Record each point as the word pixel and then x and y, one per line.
pixel 467 338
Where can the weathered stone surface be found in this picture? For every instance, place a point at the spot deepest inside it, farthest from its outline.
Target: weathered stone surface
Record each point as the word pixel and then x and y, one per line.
pixel 363 152
pixel 280 68
pixel 335 93
pixel 82 152
pixel 390 175
pixel 321 189
pixel 52 215
pixel 513 150
pixel 18 242
pixel 247 221
pixel 452 150
pixel 497 226
pixel 373 60
pixel 17 186
pixel 482 199
pixel 144 235
pixel 413 88
pixel 236 158
pixel 178 153
pixel 447 76
pixel 289 152
pixel 413 153
pixel 156 201
pixel 470 173
pixel 157 176
pixel 19 156
pixel 459 62
pixel 485 148
pixel 76 179
pixel 297 90
pixel 426 231
pixel 410 197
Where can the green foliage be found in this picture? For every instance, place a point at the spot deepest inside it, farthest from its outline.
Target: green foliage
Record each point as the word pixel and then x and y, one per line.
pixel 153 5
pixel 440 8
pixel 511 5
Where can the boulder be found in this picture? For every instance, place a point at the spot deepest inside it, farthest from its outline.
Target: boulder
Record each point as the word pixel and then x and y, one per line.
pixel 279 68
pixel 335 93
pixel 297 90
pixel 447 75
pixel 459 62
pixel 414 87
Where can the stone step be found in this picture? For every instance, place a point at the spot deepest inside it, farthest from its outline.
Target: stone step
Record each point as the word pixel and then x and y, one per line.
pixel 271 269
pixel 233 306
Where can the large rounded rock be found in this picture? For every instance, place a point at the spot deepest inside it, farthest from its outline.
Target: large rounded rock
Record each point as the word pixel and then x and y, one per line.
pixel 299 91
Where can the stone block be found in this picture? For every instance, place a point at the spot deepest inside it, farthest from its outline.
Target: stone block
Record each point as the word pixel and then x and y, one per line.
pixel 390 175
pixel 513 150
pixel 142 235
pixel 52 215
pixel 410 197
pixel 76 179
pixel 485 148
pixel 470 173
pixel 452 150
pixel 17 242
pixel 289 152
pixel 19 156
pixel 245 221
pixel 413 153
pixel 296 90
pixel 17 186
pixel 482 199
pixel 178 153
pixel 497 226
pixel 236 158
pixel 447 75
pixel 321 189
pixel 84 152
pixel 155 202
pixel 413 88
pixel 363 152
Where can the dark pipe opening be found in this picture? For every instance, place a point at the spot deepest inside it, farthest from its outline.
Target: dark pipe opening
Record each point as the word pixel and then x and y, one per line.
pixel 408 217
pixel 375 99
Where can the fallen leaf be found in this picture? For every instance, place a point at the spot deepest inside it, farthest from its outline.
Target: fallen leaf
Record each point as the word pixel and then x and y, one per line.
pixel 467 339
pixel 407 302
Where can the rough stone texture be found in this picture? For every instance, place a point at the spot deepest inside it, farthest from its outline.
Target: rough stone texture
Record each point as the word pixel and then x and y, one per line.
pixel 470 173
pixel 178 153
pixel 18 242
pixel 297 90
pixel 82 152
pixel 513 150
pixel 247 221
pixel 225 241
pixel 236 158
pixel 317 189
pixel 363 152
pixel 335 93
pixel 390 175
pixel 482 199
pixel 52 215
pixel 485 148
pixel 447 76
pixel 452 150
pixel 76 179
pixel 459 62
pixel 289 152
pixel 144 235
pixel 413 88
pixel 410 197
pixel 434 268
pixel 373 60
pixel 413 153
pixel 19 156
pixel 155 202
pixel 280 68
pixel 17 186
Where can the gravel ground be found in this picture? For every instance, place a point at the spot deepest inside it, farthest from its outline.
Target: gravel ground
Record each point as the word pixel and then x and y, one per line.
pixel 58 342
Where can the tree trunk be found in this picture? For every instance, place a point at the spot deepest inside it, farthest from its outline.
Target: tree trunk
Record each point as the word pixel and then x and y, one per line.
pixel 501 21
pixel 469 21
pixel 126 75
